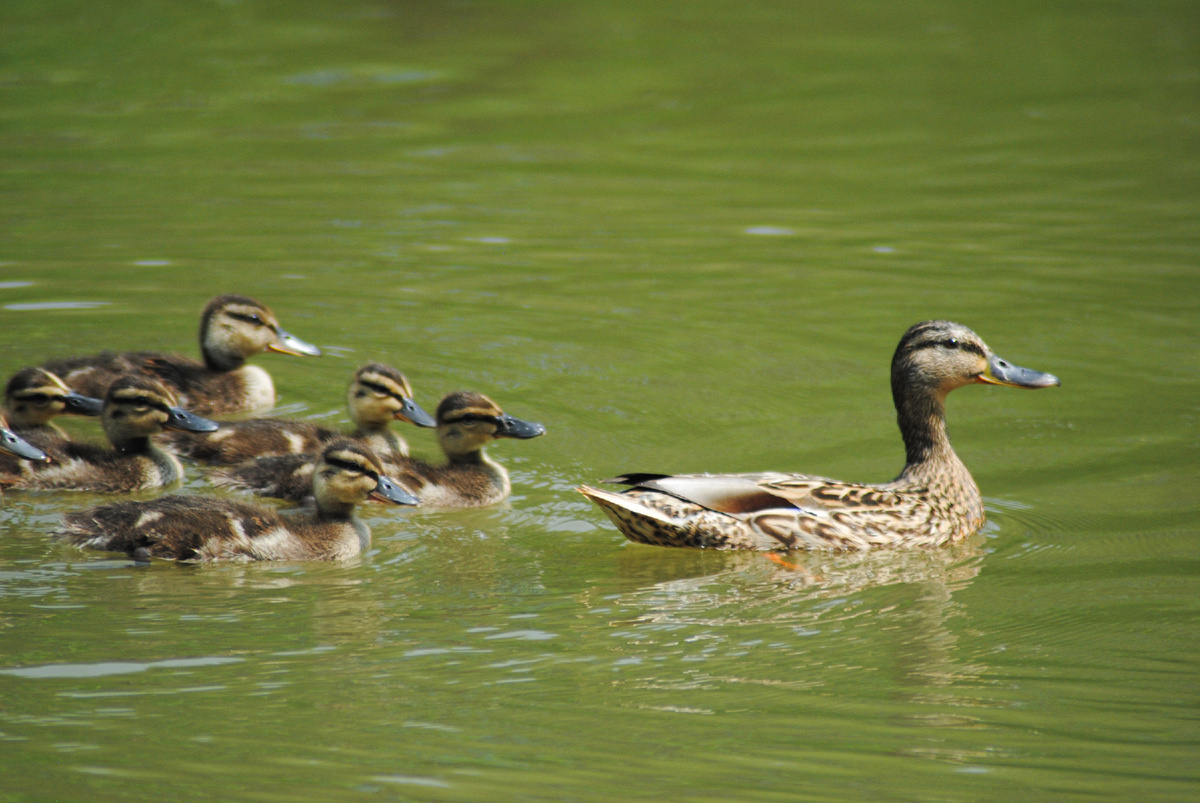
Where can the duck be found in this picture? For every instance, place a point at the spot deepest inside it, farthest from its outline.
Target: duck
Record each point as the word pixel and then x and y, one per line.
pixel 378 395
pixel 466 423
pixel 933 501
pixel 233 328
pixel 136 407
pixel 34 397
pixel 194 528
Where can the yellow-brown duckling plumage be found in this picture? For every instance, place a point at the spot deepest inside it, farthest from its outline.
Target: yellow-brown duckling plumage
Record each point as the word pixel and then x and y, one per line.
pixel 378 395
pixel 232 329
pixel 933 501
pixel 135 409
pixel 34 397
pixel 466 423
pixel 202 528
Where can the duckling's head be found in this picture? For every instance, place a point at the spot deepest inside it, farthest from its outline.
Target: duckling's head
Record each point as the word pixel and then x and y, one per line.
pixel 379 394
pixel 467 422
pixel 233 328
pixel 11 444
pixel 137 407
pixel 349 473
pixel 34 396
pixel 936 357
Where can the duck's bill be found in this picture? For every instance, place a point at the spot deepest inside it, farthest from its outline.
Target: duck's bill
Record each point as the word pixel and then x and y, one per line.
pixel 181 419
pixel 411 412
pixel 75 404
pixel 11 444
pixel 388 490
pixel 290 344
pixel 1002 372
pixel 516 428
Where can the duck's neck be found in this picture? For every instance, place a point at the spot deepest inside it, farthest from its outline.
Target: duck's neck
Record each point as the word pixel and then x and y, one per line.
pixel 932 466
pixel 218 358
pixel 333 510
pixel 930 459
pixel 138 445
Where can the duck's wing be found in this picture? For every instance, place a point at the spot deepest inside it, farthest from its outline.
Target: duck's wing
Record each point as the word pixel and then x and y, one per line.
pixel 750 493
pixel 794 510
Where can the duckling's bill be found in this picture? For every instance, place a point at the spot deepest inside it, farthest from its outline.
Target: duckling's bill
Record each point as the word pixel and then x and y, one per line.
pixel 510 427
pixel 78 404
pixel 290 344
pixel 11 444
pixel 1002 372
pixel 388 490
pixel 411 412
pixel 181 419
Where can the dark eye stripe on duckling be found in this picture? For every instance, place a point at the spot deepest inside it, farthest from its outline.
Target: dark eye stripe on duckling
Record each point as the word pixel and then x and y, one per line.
pixel 140 398
pixel 346 464
pixel 249 317
pixel 466 416
pixel 381 388
pixel 37 396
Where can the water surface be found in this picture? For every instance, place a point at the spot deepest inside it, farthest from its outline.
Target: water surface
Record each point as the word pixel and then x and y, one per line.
pixel 685 237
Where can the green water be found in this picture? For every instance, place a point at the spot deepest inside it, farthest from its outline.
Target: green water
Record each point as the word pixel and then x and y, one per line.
pixel 685 237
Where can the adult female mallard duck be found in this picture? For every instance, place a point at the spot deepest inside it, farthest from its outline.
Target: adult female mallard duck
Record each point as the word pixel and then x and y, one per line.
pixel 34 397
pixel 933 501
pixel 199 528
pixel 466 423
pixel 378 395
pixel 135 408
pixel 232 329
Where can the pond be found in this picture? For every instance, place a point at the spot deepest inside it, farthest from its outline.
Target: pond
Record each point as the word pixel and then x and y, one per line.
pixel 685 237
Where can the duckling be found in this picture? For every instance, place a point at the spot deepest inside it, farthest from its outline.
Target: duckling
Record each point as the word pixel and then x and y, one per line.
pixel 932 502
pixel 232 328
pixel 34 397
pixel 14 445
pixel 202 528
pixel 466 423
pixel 135 408
pixel 378 395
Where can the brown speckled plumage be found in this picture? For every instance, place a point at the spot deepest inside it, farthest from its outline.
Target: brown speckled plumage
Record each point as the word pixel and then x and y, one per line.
pixel 201 528
pixel 378 395
pixel 466 423
pixel 232 328
pixel 932 502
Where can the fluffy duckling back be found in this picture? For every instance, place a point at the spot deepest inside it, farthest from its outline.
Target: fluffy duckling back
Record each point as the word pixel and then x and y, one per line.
pixel 200 528
pixel 932 502
pixel 378 395
pixel 232 329
pixel 466 423
pixel 34 397
pixel 135 408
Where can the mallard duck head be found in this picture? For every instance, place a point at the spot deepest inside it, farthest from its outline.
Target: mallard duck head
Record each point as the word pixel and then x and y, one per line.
pixel 936 357
pixel 349 473
pixel 467 422
pixel 11 444
pixel 233 328
pixel 34 396
pixel 137 407
pixel 379 394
